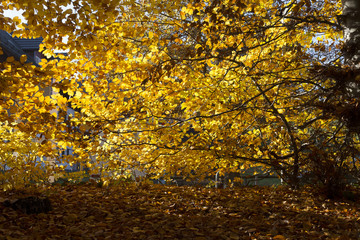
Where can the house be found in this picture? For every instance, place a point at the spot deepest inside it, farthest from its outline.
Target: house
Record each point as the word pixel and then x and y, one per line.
pixel 16 47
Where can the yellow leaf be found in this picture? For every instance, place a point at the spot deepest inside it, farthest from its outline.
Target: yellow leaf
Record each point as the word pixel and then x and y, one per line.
pixel 13 109
pixel 279 237
pixel 84 128
pixel 151 35
pixel 23 58
pixel 17 20
pixel 10 59
pixel 137 230
pixel 178 40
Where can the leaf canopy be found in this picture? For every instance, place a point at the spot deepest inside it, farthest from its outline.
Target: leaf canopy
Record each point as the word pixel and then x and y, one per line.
pixel 185 87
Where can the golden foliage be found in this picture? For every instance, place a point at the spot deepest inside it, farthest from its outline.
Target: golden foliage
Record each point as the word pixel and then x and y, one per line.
pixel 181 87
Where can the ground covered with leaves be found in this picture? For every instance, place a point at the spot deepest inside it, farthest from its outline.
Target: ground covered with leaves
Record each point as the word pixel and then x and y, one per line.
pixel 131 211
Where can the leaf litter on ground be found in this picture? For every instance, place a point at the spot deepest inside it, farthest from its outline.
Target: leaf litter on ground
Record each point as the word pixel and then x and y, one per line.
pixel 130 211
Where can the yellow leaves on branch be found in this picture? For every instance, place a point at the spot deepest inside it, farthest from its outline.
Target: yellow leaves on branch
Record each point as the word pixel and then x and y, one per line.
pixel 226 79
pixel 18 157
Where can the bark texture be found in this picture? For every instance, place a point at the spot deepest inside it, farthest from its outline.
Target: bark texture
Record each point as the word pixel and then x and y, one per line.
pixel 351 23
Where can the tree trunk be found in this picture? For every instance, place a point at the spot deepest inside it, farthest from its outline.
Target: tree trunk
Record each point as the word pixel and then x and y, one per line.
pixel 351 24
pixel 350 20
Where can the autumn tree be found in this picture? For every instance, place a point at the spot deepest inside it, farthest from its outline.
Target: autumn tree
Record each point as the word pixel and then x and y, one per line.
pixel 195 87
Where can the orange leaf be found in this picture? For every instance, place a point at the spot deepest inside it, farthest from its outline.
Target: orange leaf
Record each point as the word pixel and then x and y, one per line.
pixel 279 237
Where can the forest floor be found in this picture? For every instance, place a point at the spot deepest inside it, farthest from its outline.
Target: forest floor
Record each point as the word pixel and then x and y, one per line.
pixel 131 211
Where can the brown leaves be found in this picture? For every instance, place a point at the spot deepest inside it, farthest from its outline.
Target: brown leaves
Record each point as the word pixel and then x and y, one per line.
pixel 163 212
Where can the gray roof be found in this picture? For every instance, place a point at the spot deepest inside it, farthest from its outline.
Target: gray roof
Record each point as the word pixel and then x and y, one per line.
pixel 17 46
pixel 29 44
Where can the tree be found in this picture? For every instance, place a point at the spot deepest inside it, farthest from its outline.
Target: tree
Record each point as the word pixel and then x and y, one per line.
pixel 19 162
pixel 195 87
